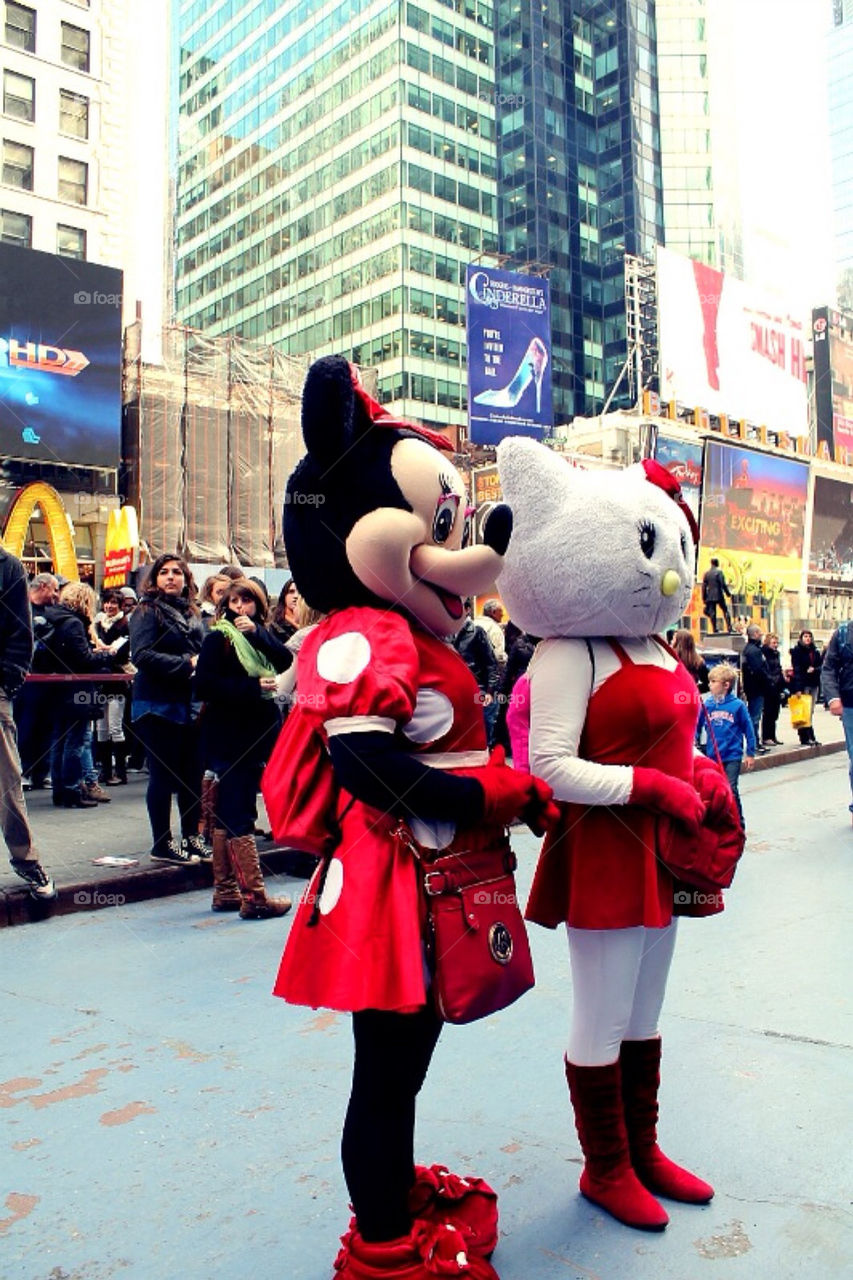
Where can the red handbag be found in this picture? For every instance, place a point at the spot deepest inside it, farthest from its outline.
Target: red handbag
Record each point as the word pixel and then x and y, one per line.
pixel 708 859
pixel 477 947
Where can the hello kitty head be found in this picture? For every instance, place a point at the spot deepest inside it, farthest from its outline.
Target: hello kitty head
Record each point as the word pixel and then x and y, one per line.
pixel 592 553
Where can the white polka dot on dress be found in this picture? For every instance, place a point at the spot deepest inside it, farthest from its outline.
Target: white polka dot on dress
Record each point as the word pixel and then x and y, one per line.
pixel 433 717
pixel 342 659
pixel 333 888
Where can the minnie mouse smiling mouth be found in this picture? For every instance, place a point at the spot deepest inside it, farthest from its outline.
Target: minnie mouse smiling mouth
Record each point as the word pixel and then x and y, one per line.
pixel 452 603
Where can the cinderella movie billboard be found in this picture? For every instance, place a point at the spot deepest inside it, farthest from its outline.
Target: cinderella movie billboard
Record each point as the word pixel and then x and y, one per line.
pixel 60 359
pixel 753 517
pixel 508 319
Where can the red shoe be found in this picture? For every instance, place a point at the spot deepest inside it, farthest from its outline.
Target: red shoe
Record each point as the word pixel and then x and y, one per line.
pixel 469 1204
pixel 430 1249
pixel 640 1062
pixel 608 1179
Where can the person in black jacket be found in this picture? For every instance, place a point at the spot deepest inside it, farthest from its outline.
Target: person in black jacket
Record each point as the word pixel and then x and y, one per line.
pixel 236 679
pixel 714 592
pixel 773 696
pixel 756 680
pixel 77 705
pixel 166 635
pixel 805 678
pixel 837 684
pixel 475 648
pixel 16 652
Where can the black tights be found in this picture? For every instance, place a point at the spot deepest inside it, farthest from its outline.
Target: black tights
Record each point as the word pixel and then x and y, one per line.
pixel 392 1054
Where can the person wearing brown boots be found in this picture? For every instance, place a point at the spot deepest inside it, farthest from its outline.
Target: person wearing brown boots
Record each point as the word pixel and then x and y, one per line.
pixel 235 678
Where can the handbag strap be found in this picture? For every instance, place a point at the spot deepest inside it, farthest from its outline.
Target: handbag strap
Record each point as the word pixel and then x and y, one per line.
pixel 712 736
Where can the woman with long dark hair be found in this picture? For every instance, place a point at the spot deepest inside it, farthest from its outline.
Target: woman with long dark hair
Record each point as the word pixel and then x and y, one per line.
pixel 166 635
pixel 805 678
pixel 690 657
pixel 236 677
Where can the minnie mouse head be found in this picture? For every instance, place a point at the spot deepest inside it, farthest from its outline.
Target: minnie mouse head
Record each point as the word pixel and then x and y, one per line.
pixel 375 513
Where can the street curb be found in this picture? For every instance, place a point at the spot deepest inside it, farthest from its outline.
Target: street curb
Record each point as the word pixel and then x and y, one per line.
pixel 138 885
pixel 160 881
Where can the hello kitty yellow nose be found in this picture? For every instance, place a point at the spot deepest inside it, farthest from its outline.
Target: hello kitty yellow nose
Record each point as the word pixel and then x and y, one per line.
pixel 669 583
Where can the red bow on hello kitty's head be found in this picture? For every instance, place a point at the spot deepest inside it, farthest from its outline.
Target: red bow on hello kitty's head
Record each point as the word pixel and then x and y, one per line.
pixel 666 480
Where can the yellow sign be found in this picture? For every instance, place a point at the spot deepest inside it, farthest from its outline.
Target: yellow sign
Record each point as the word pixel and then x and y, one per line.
pixel 121 546
pixel 60 535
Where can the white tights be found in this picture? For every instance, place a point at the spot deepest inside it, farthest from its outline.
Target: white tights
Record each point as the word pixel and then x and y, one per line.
pixel 619 980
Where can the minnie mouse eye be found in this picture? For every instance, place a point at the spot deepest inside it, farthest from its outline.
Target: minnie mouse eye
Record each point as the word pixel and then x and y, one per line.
pixel 647 538
pixel 445 517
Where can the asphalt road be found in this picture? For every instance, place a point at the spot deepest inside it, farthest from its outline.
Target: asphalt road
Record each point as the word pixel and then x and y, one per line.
pixel 163 1116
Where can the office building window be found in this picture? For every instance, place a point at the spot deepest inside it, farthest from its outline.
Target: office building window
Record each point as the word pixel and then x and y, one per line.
pixel 16 228
pixel 17 165
pixel 71 242
pixel 75 47
pixel 19 96
pixel 73 114
pixel 73 180
pixel 21 27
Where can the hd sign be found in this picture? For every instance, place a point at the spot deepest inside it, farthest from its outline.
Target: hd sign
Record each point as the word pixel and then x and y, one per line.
pixel 60 359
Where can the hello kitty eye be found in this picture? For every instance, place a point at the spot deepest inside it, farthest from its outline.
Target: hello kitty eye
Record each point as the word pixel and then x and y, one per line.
pixel 684 546
pixel 647 538
pixel 445 517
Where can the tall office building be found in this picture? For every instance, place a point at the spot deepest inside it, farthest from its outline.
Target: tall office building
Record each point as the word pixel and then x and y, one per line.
pixel 699 125
pixel 840 81
pixel 336 173
pixel 74 179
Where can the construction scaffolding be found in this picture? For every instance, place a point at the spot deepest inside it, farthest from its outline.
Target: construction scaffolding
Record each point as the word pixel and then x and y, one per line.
pixel 209 440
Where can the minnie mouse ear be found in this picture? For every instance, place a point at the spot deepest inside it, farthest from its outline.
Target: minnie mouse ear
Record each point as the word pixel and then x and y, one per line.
pixel 328 409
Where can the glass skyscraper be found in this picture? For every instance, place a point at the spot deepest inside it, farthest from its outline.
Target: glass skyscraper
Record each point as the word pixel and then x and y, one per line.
pixel 339 164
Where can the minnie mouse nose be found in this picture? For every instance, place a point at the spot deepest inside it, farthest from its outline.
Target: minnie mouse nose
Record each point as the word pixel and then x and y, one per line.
pixel 670 583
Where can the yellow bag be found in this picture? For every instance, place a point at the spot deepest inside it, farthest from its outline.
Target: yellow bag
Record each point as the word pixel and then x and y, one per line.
pixel 800 705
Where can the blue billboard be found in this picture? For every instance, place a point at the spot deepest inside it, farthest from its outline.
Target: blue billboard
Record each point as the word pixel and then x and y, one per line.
pixel 60 359
pixel 508 318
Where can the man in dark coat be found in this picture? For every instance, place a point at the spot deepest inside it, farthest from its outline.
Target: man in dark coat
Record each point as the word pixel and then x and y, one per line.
pixel 475 648
pixel 837 684
pixel 16 655
pixel 714 592
pixel 756 680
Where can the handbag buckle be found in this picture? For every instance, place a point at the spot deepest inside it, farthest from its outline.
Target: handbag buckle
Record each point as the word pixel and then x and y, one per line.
pixel 428 887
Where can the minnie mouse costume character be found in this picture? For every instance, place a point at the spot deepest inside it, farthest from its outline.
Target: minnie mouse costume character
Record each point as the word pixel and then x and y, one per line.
pixel 613 719
pixel 387 725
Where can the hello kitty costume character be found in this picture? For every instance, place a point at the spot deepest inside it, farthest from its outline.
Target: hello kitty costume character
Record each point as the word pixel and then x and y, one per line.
pixel 613 719
pixel 387 725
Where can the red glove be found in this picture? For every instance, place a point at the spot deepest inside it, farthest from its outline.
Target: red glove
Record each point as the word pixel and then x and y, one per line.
pixel 509 794
pixel 713 786
pixel 662 793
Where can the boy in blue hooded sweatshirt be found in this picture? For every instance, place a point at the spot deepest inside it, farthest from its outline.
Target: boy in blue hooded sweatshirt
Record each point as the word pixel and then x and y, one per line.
pixel 731 725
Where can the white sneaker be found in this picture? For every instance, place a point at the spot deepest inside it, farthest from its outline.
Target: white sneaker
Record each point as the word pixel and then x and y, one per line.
pixel 39 883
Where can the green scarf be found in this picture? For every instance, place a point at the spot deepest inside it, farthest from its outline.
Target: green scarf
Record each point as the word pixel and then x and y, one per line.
pixel 252 662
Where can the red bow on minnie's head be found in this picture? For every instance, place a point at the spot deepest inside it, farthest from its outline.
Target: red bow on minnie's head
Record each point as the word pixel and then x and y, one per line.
pixel 382 418
pixel 666 480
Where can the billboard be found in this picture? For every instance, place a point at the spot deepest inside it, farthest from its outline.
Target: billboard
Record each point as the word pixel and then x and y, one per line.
pixel 753 517
pixel 831 550
pixel 60 359
pixel 832 334
pixel 728 349
pixel 508 318
pixel 684 459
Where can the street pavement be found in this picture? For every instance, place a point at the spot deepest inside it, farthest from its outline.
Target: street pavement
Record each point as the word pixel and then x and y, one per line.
pixel 164 1116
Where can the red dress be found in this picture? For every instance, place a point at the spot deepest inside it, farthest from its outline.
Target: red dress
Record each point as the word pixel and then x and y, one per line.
pixel 599 867
pixel 364 669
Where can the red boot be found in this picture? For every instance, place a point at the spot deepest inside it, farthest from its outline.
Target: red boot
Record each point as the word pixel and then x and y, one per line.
pixel 640 1061
pixel 430 1249
pixel 467 1203
pixel 608 1179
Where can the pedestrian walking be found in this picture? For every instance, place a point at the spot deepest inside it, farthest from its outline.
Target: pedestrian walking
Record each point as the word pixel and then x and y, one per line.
pixel 731 732
pixel 491 622
pixel 78 705
pixel 236 679
pixel 112 633
pixel 285 618
pixel 756 681
pixel 805 678
pixel 166 635
pixel 715 589
pixel 837 685
pixel 16 652
pixel 33 706
pixel 685 646
pixel 475 649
